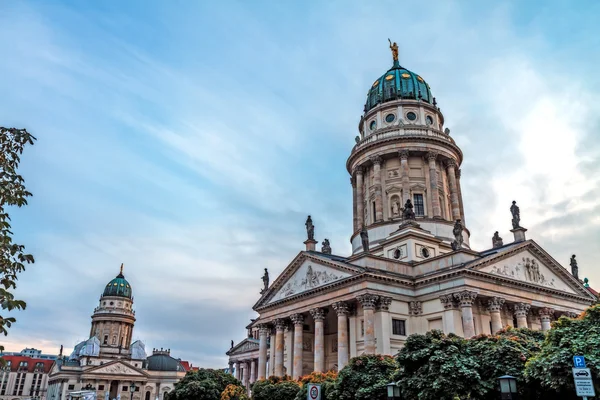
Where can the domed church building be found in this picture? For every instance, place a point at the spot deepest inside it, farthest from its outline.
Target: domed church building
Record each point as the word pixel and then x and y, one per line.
pixel 108 362
pixel 412 268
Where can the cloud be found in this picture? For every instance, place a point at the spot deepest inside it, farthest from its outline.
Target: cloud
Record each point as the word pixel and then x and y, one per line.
pixel 190 143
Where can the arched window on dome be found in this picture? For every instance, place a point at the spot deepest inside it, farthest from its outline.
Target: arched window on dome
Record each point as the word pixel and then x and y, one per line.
pixel 114 340
pixel 105 339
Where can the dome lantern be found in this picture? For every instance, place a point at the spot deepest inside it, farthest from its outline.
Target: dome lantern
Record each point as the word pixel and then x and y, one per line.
pixel 118 286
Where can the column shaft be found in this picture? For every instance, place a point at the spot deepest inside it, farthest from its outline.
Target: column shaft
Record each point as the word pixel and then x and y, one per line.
pixel 545 318
pixel 453 190
pixel 368 302
pixel 433 185
pixel 252 371
pixel 318 315
pixel 405 177
pixel 279 327
pixel 383 309
pixel 272 354
pixel 521 310
pixel 237 371
pixel 341 309
pixel 354 212
pixel 352 323
pixel 460 198
pixel 466 299
pixel 298 320
pixel 377 186
pixel 262 352
pixel 289 348
pixel 360 212
pixel 495 305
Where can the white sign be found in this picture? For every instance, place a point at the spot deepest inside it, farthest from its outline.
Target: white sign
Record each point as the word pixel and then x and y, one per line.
pixel 314 391
pixel 582 373
pixel 584 387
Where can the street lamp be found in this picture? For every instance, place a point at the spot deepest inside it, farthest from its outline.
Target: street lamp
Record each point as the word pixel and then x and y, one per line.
pixel 132 388
pixel 393 391
pixel 508 387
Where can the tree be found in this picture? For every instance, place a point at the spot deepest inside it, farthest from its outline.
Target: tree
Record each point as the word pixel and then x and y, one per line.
pixel 364 378
pixel 327 381
pixel 437 367
pixel 275 388
pixel 551 368
pixel 204 384
pixel 505 353
pixel 12 193
pixel 234 392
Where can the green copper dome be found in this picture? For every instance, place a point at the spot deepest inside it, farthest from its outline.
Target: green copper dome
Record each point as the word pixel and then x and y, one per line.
pixel 398 83
pixel 118 286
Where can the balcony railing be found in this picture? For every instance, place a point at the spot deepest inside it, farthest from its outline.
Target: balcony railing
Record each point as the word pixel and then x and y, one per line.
pixel 404 131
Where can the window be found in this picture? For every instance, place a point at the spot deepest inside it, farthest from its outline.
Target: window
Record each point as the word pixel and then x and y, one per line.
pixel 419 205
pixel 411 116
pixel 100 387
pixel 374 210
pixel 137 388
pixel 71 387
pixel 399 327
pixel 373 125
pixel 390 118
pixel 105 339
pixel 429 120
pixel 124 389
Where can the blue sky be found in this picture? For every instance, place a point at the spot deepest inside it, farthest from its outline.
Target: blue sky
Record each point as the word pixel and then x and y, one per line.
pixel 190 139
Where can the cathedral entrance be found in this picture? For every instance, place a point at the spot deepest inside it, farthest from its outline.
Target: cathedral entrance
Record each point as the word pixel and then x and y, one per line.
pixel 114 389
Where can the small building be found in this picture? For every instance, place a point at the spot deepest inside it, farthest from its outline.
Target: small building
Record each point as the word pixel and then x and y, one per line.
pixel 24 377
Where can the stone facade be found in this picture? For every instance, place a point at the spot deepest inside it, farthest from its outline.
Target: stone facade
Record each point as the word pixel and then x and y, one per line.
pixel 412 275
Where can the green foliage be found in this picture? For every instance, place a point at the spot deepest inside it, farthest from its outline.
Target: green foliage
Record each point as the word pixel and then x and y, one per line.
pixel 204 384
pixel 275 388
pixel 551 367
pixel 327 381
pixel 234 392
pixel 12 193
pixel 437 367
pixel 505 354
pixel 364 378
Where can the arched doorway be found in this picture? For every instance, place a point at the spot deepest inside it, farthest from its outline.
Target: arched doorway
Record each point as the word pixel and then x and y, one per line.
pixel 148 395
pixel 114 389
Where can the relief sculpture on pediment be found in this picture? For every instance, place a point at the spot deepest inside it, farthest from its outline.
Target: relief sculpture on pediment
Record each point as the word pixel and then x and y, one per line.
pixel 528 270
pixel 311 280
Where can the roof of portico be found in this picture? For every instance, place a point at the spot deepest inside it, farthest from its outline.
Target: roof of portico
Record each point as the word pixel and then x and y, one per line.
pixel 245 346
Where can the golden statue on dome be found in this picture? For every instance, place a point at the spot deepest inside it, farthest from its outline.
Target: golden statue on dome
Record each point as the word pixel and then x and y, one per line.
pixel 394 48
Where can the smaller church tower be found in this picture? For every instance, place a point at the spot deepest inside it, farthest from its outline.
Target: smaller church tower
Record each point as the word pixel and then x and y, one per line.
pixel 113 319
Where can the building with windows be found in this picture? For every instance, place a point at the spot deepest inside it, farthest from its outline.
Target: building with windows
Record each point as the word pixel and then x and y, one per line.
pixel 108 362
pixel 24 377
pixel 30 352
pixel 411 268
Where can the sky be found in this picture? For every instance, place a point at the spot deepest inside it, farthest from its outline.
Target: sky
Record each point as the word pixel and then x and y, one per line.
pixel 189 140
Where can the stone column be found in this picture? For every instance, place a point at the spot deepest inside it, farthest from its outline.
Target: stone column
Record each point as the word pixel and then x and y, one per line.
pixel 245 374
pixel 433 185
pixel 262 351
pixel 360 212
pixel 289 348
pixel 383 308
pixel 237 371
pixel 272 353
pixel 403 154
pixel 377 186
pixel 352 333
pixel 279 327
pixel 546 317
pixel 448 302
pixel 521 310
pixel 368 302
pixel 252 370
pixel 298 321
pixel 341 308
pixel 460 198
pixel 466 299
pixel 318 315
pixel 495 305
pixel 354 212
pixel 451 165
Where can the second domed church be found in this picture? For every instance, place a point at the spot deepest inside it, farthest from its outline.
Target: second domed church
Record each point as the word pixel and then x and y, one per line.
pixel 411 268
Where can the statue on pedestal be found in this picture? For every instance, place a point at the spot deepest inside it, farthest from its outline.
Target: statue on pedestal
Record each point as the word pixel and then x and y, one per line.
pixel 497 240
pixel 516 215
pixel 394 48
pixel 310 228
pixel 408 213
pixel 265 280
pixel 458 237
pixel 574 267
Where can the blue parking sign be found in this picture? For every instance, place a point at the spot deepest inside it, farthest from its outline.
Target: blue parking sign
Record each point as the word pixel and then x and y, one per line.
pixel 579 361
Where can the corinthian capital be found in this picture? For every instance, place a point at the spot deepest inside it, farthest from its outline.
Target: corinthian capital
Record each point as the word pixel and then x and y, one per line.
pixel 448 301
pixel 465 298
pixel 546 312
pixel 384 304
pixel 280 324
pixel 368 301
pixel 495 304
pixel 431 156
pixel 341 308
pixel 318 314
pixel 376 160
pixel 297 319
pixel 359 170
pixel 264 329
pixel 450 164
pixel 521 309
pixel 403 154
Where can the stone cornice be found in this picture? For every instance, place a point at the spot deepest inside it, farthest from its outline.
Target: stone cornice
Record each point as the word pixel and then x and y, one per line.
pixel 418 219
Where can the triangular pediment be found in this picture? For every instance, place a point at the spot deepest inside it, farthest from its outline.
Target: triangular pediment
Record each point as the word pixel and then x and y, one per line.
pixel 307 272
pixel 115 368
pixel 244 346
pixel 531 265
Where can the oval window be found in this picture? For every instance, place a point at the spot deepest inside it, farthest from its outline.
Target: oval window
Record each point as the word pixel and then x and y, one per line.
pixel 425 252
pixel 390 118
pixel 373 125
pixel 429 120
pixel 411 116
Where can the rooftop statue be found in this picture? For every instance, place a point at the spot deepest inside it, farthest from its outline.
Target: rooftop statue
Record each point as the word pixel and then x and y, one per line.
pixel 394 48
pixel 364 236
pixel 265 280
pixel 408 213
pixel 310 228
pixel 326 247
pixel 516 215
pixel 458 237
pixel 497 240
pixel 574 267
